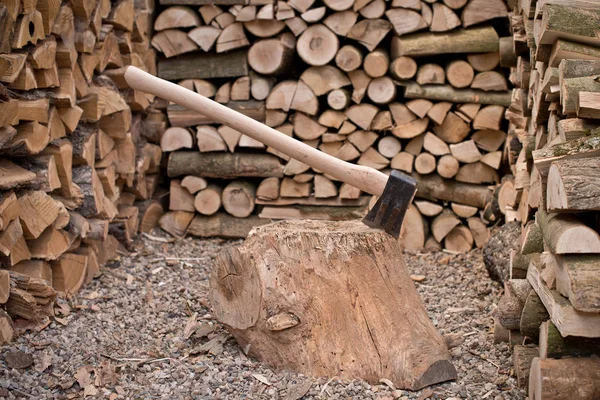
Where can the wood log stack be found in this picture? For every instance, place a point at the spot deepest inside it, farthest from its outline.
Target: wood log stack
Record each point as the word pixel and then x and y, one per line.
pixel 79 158
pixel 552 301
pixel 361 80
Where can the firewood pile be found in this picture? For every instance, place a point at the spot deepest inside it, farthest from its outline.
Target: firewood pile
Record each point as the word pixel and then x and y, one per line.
pixel 79 158
pixel 551 304
pixel 410 85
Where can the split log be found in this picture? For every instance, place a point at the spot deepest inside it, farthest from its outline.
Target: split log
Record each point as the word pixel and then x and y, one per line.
pixel 567 320
pixel 150 213
pixel 341 22
pixel 477 11
pixel 465 152
pixel 522 358
pixel 554 345
pixel 69 272
pixel 208 139
pixel 564 378
pixel 176 17
pixel 414 230
pixel 443 19
pixel 443 224
pixel 370 32
pixel 453 129
pixel 405 21
pixel 404 161
pixel 572 186
pixel 292 320
pixel 173 42
pixel 176 222
pixel 566 234
pixel 479 230
pixel 532 316
pixel 179 198
pixel 208 200
pixel 577 279
pixel 268 189
pixel 223 165
pixel 459 239
pixel 224 225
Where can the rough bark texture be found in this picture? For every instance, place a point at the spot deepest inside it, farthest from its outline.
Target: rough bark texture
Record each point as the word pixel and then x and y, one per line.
pixel 496 253
pixel 573 186
pixel 347 302
pixel 224 165
pixel 564 379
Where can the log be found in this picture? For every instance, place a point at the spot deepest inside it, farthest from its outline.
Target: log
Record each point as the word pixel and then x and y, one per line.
pixel 482 62
pixel 204 66
pixel 238 198
pixel 224 225
pixel 208 200
pixel 432 186
pixel 448 93
pixel 405 21
pixel 150 213
pixel 341 22
pixel 382 90
pixel 577 279
pixel 459 239
pixel 370 32
pixel 584 147
pixel 465 152
pixel 532 316
pixel 411 130
pixel 443 18
pixel 474 40
pixel 431 74
pixel 209 139
pixel 477 11
pixel 389 146
pixel 193 183
pixel 443 224
pixel 425 163
pixel 566 234
pixel 522 358
pixel 453 129
pixel 460 74
pixel 437 113
pixel 322 80
pixel 568 321
pixel 256 330
pixel 223 165
pixel 205 37
pixel 414 230
pixel 176 17
pixel 489 81
pixel 348 58
pixel 564 378
pixel 173 42
pixel 479 230
pixel 317 45
pixel 588 105
pixel 403 68
pixel 554 345
pixel 176 222
pixel 176 138
pixel 572 186
pixel 489 140
pixel 376 63
pixel 404 161
pixel 179 198
pixel 420 107
pixel 270 56
pixel 69 272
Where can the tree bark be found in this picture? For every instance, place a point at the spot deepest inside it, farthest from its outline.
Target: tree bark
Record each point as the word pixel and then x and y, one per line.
pixel 223 165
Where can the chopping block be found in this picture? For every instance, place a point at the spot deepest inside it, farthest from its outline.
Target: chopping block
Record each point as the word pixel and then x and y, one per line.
pixel 327 298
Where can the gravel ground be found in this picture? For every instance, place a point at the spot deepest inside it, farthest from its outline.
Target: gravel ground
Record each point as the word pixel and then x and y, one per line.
pixel 144 330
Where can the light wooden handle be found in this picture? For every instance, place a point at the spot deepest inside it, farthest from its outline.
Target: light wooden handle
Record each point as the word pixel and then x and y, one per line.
pixel 366 179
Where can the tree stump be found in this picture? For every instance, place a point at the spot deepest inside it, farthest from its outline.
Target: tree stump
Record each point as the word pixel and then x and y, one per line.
pixel 328 299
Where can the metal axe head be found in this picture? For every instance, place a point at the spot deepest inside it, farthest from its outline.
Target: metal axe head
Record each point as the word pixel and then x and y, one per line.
pixel 388 212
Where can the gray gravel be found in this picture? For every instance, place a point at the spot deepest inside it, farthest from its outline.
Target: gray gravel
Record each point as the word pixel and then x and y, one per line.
pixel 144 330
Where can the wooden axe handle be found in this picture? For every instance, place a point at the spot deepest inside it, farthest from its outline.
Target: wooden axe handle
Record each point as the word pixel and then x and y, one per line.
pixel 366 179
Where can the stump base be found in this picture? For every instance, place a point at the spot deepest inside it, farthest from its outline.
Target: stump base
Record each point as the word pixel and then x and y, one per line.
pixel 328 299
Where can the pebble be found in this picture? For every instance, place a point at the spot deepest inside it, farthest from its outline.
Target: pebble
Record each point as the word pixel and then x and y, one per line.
pixel 124 321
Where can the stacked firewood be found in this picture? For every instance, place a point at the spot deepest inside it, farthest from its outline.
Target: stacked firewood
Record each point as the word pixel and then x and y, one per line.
pixel 360 80
pixel 78 155
pixel 551 303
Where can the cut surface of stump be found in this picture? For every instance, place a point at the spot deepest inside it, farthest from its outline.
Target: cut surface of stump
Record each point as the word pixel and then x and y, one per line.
pixel 348 305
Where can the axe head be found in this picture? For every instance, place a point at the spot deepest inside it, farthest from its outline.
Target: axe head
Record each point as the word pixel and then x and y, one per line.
pixel 388 212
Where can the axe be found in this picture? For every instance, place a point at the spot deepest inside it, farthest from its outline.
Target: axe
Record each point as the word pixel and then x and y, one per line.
pixel 395 192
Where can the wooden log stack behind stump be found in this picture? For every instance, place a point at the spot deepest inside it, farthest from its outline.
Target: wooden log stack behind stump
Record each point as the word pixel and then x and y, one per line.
pixel 359 80
pixel 328 299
